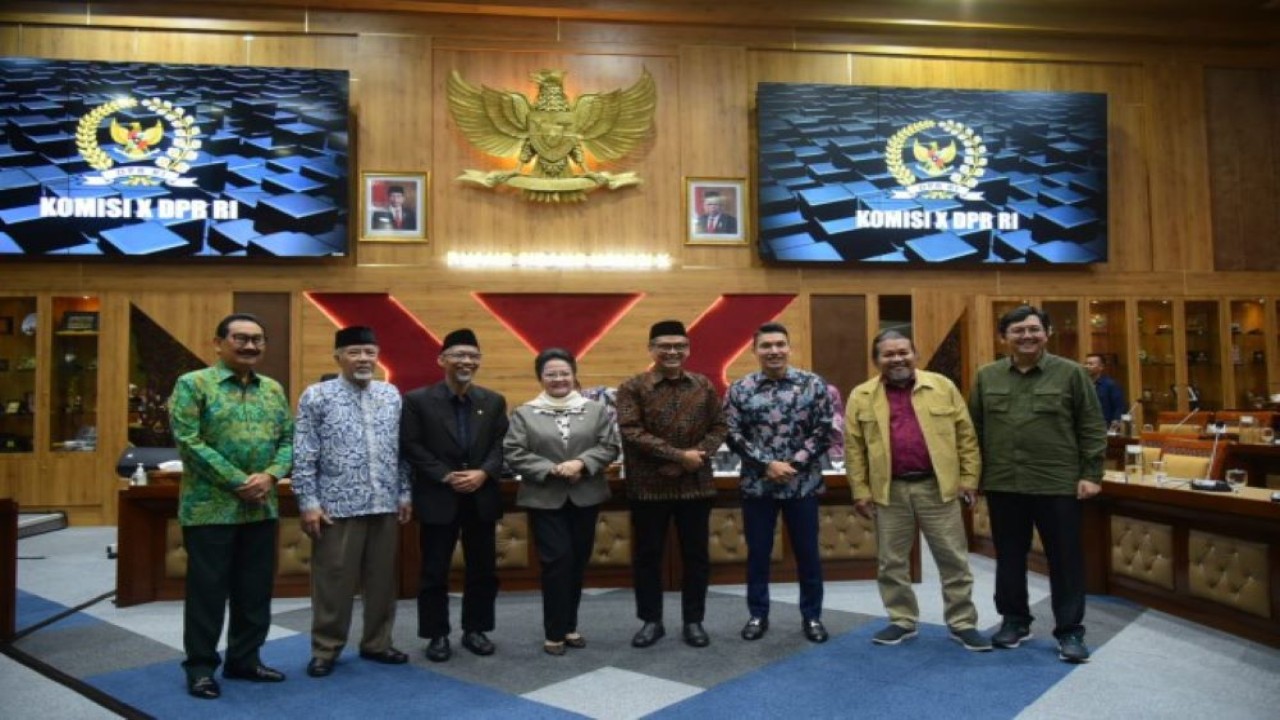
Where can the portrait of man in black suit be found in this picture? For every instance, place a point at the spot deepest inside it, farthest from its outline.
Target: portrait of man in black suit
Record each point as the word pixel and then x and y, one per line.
pixel 396 214
pixel 714 220
pixel 451 437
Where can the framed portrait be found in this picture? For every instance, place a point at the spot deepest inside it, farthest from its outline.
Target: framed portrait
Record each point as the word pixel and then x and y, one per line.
pixel 715 211
pixel 393 206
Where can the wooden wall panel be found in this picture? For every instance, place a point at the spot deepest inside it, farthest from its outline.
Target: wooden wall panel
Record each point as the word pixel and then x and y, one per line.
pixel 1176 149
pixel 1243 109
pixel 935 312
pixel 839 345
pixel 190 318
pixel 808 67
pixel 713 92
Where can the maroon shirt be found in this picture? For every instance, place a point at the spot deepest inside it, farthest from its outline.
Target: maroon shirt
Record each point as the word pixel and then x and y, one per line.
pixel 907 450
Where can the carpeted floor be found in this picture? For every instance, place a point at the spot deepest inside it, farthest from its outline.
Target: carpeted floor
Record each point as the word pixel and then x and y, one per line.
pixel 1146 664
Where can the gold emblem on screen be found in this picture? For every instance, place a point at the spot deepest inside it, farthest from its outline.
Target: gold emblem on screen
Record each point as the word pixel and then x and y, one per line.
pixel 923 179
pixel 135 144
pixel 551 137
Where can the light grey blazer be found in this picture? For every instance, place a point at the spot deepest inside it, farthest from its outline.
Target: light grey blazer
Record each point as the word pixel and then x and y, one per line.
pixel 533 446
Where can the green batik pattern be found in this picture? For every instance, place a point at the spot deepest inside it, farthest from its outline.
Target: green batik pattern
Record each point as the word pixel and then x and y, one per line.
pixel 225 432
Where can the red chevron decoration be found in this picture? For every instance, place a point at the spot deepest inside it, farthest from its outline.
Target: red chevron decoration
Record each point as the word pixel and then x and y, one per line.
pixel 408 348
pixel 725 329
pixel 574 322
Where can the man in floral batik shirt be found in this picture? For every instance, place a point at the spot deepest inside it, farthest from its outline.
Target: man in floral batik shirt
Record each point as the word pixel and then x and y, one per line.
pixel 234 432
pixel 780 424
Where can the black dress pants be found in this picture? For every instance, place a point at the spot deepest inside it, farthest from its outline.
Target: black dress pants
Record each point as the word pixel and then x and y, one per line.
pixel 565 538
pixel 1058 518
pixel 480 588
pixel 650 520
pixel 231 565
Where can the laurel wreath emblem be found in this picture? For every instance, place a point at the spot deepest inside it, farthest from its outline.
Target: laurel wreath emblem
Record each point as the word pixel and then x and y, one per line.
pixel 176 159
pixel 973 163
pixel 87 133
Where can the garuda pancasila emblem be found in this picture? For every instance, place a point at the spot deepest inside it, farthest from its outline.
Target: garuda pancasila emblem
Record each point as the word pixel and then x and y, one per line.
pixel 553 133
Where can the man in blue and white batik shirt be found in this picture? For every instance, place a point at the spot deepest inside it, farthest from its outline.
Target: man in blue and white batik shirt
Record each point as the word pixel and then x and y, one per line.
pixel 352 495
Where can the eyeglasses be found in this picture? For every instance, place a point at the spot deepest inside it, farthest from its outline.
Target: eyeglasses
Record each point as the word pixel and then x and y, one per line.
pixel 241 340
pixel 464 356
pixel 1024 331
pixel 670 347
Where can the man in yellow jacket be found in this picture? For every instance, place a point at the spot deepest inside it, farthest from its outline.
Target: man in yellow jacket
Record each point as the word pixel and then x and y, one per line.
pixel 911 455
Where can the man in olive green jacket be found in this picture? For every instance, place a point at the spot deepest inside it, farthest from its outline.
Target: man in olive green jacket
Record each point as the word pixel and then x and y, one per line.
pixel 911 449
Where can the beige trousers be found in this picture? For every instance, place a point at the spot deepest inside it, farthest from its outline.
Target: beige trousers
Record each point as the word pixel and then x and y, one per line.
pixel 943 528
pixel 353 554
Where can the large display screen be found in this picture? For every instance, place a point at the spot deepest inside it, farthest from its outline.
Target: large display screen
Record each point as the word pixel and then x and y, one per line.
pixel 907 176
pixel 148 160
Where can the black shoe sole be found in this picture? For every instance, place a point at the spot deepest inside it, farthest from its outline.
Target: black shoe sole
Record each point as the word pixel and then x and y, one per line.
pixel 1012 645
pixel 899 641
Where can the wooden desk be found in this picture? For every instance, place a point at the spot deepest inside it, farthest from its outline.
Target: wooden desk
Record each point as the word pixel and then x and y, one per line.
pixel 1257 460
pixel 8 568
pixel 1220 551
pixel 145 514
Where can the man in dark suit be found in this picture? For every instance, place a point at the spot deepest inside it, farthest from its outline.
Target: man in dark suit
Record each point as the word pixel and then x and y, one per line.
pixel 714 221
pixel 451 437
pixel 395 216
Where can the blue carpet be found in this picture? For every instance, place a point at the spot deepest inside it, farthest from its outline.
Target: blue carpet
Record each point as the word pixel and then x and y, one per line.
pixel 928 677
pixel 34 609
pixel 357 688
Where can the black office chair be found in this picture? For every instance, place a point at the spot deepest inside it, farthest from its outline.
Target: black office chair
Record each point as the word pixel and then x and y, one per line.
pixel 150 457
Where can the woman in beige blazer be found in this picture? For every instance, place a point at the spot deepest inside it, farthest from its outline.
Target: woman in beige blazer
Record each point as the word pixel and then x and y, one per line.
pixel 560 444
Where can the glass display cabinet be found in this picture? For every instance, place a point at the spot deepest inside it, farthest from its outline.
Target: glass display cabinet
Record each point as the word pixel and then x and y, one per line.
pixel 1248 353
pixel 1109 337
pixel 1204 352
pixel 1065 338
pixel 1158 369
pixel 18 321
pixel 73 388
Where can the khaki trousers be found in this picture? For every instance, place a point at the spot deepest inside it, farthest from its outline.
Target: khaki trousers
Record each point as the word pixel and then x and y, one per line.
pixel 357 553
pixel 943 528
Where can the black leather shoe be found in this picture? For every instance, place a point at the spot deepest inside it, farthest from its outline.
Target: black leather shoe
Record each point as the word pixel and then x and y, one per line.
pixel 205 688
pixel 477 643
pixel 390 656
pixel 258 673
pixel 755 628
pixel 320 667
pixel 695 636
pixel 648 634
pixel 438 650
pixel 814 631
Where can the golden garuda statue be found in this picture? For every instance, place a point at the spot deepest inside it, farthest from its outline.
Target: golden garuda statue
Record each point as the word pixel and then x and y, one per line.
pixel 553 133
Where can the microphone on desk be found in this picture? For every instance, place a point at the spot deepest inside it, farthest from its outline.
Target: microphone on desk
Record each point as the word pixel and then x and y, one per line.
pixel 1207 483
pixel 1183 421
pixel 1126 420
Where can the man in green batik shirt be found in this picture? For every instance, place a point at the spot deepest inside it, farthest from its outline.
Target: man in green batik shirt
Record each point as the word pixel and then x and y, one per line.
pixel 234 431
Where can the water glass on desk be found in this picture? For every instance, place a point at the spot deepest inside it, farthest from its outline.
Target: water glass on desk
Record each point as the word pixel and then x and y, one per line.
pixel 1133 463
pixel 1237 479
pixel 1157 468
